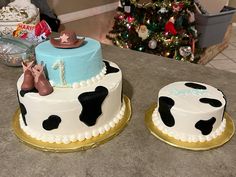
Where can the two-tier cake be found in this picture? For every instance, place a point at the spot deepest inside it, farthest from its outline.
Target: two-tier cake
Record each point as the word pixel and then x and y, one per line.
pixel 78 97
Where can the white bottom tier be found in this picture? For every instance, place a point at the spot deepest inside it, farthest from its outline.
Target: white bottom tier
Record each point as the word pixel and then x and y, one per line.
pixel 73 114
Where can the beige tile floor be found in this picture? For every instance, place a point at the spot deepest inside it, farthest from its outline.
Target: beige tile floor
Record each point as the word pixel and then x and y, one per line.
pixel 226 60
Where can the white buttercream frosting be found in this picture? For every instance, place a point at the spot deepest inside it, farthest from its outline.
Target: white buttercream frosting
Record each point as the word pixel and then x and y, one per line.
pixel 64 103
pixel 85 83
pixel 91 81
pixel 73 137
pixel 182 100
pixel 186 137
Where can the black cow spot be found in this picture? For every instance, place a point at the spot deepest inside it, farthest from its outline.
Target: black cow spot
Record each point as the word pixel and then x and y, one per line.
pixel 23 92
pixel 22 110
pixel 205 126
pixel 211 101
pixel 195 86
pixel 110 69
pixel 165 105
pixel 92 105
pixel 51 123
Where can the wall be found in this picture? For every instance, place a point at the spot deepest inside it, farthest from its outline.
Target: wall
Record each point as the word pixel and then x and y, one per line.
pixel 93 18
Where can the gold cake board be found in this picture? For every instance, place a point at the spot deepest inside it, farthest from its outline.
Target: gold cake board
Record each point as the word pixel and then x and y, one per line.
pixel 198 146
pixel 74 146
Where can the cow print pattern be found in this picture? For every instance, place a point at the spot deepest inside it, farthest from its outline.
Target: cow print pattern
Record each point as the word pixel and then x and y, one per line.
pixel 23 92
pixel 92 105
pixel 110 69
pixel 51 123
pixel 22 110
pixel 225 104
pixel 211 101
pixel 165 105
pixel 205 126
pixel 195 86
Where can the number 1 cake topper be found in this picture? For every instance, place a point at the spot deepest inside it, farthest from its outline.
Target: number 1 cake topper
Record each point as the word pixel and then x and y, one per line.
pixel 66 40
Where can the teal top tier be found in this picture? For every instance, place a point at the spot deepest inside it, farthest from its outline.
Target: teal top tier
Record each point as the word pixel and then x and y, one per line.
pixel 67 67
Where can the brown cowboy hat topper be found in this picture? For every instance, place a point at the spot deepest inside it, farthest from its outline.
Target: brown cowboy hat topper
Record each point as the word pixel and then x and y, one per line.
pixel 67 39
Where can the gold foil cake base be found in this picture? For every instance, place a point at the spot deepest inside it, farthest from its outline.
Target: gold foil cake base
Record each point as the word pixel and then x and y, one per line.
pixel 198 146
pixel 74 146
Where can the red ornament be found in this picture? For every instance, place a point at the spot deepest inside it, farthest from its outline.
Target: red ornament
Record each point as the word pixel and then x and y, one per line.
pixel 177 6
pixel 130 19
pixel 170 27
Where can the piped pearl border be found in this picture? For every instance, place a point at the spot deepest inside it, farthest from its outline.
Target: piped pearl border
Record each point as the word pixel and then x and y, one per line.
pixel 85 83
pixel 74 137
pixel 185 137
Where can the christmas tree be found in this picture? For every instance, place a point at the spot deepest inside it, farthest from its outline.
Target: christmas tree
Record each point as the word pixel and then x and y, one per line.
pixel 161 27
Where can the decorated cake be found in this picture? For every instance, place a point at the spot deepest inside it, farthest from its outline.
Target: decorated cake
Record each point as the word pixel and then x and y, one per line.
pixel 16 12
pixel 190 111
pixel 71 94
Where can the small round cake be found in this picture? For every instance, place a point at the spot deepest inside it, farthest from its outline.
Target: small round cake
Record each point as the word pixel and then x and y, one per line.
pixel 190 111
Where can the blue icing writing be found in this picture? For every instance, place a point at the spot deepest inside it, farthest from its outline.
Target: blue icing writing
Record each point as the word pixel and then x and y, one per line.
pixel 176 92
